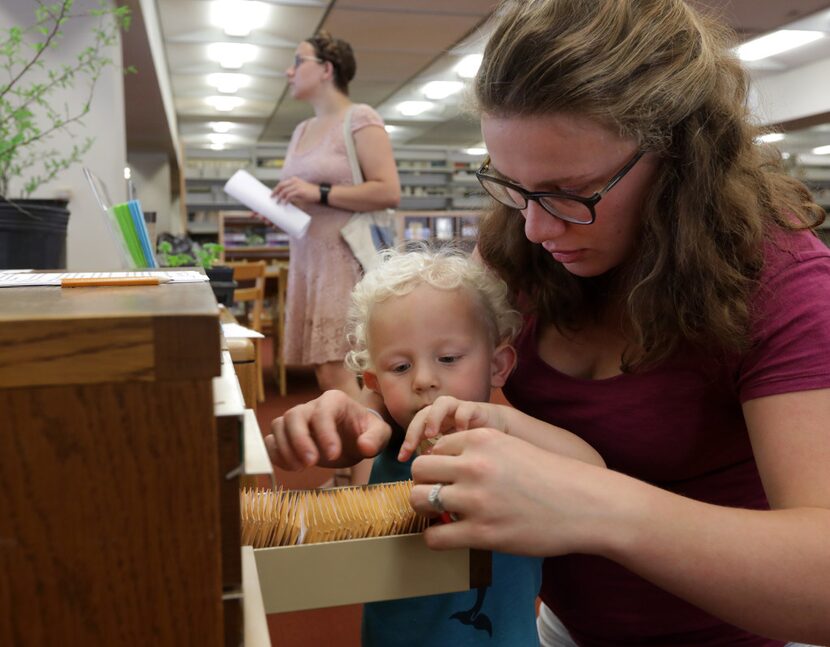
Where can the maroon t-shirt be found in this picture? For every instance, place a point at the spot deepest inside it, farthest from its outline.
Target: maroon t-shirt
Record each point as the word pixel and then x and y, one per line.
pixel 680 427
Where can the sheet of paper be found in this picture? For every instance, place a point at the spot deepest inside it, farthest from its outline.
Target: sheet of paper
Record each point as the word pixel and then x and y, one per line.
pixel 12 279
pixel 234 330
pixel 256 196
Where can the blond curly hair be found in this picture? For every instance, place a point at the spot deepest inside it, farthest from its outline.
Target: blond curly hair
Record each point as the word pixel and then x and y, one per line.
pixel 447 268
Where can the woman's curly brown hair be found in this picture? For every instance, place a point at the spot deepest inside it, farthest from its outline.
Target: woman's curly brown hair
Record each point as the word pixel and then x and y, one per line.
pixel 660 73
pixel 339 53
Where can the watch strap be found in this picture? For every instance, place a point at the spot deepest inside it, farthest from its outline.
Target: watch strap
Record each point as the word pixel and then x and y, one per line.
pixel 325 187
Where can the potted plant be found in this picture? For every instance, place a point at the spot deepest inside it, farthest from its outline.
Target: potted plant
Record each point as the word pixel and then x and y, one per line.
pixel 33 108
pixel 205 256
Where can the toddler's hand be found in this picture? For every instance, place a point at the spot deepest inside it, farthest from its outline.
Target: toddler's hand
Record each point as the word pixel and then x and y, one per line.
pixel 332 430
pixel 446 415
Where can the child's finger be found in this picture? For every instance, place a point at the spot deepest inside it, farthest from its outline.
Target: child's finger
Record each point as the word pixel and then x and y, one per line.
pixel 463 414
pixel 414 434
pixel 323 430
pixel 282 452
pixel 374 434
pixel 440 416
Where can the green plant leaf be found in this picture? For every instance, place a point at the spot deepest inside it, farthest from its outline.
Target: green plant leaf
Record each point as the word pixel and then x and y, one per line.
pixel 30 112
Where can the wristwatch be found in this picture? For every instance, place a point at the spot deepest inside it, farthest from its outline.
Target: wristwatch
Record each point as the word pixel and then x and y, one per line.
pixel 325 187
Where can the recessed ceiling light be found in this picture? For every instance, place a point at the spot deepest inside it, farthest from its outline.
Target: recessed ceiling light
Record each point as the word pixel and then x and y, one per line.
pixel 468 66
pixel 771 137
pixel 217 147
pixel 476 150
pixel 390 128
pixel 822 150
pixel 217 138
pixel 221 126
pixel 228 82
pixel 232 56
pixel 413 108
pixel 776 43
pixel 238 17
pixel 441 89
pixel 224 104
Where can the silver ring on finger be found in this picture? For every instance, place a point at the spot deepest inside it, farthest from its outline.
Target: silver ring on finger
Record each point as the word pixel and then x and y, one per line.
pixel 434 498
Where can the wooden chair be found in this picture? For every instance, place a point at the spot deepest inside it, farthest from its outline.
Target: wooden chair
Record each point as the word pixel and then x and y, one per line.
pixel 250 276
pixel 278 322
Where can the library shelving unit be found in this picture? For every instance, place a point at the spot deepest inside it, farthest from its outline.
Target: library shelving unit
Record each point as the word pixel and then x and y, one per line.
pixel 245 237
pixel 440 196
pixel 814 171
pixel 460 227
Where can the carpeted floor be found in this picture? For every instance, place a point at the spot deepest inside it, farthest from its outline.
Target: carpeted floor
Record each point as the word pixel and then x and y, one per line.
pixel 334 626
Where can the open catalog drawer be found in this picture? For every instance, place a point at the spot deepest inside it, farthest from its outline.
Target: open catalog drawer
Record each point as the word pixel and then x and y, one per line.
pixel 364 570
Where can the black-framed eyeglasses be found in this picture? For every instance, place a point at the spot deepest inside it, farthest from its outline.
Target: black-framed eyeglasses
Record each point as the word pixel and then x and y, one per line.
pixel 565 206
pixel 299 58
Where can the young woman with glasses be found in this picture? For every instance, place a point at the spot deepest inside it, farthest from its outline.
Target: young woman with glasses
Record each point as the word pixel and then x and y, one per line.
pixel 317 178
pixel 677 318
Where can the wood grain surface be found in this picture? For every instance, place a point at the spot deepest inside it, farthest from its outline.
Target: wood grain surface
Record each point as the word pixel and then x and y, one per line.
pixel 95 335
pixel 110 515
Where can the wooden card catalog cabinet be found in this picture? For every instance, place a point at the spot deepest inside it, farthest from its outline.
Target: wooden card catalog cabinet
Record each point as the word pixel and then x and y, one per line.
pixel 113 488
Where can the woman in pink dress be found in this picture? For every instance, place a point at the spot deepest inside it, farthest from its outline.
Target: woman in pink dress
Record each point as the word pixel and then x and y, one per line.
pixel 318 179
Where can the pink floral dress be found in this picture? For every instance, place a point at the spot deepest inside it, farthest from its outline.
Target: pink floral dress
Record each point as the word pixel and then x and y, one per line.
pixel 322 270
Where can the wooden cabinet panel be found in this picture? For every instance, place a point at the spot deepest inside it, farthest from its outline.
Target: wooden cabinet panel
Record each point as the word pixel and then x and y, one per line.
pixel 110 476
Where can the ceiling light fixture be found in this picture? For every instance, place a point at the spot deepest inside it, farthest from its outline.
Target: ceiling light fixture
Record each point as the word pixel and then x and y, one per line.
pixel 217 147
pixel 770 138
pixel 228 82
pixel 438 90
pixel 224 104
pixel 238 17
pixel 221 126
pixel 216 138
pixel 478 151
pixel 468 66
pixel 775 43
pixel 390 128
pixel 413 108
pixel 822 150
pixel 232 56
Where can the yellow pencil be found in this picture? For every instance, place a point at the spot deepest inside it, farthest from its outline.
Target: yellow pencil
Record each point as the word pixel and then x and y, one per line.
pixel 112 281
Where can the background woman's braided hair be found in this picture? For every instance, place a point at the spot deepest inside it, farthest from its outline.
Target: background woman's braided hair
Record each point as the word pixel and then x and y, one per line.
pixel 664 75
pixel 339 53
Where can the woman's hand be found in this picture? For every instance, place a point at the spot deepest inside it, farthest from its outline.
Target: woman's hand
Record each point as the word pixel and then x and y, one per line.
pixel 332 431
pixel 446 415
pixel 295 190
pixel 511 496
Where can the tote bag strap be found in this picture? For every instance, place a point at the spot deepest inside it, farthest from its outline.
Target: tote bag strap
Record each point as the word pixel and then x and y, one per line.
pixel 357 175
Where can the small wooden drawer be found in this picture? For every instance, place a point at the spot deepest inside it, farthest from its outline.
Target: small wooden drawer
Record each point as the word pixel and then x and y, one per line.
pixel 364 570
